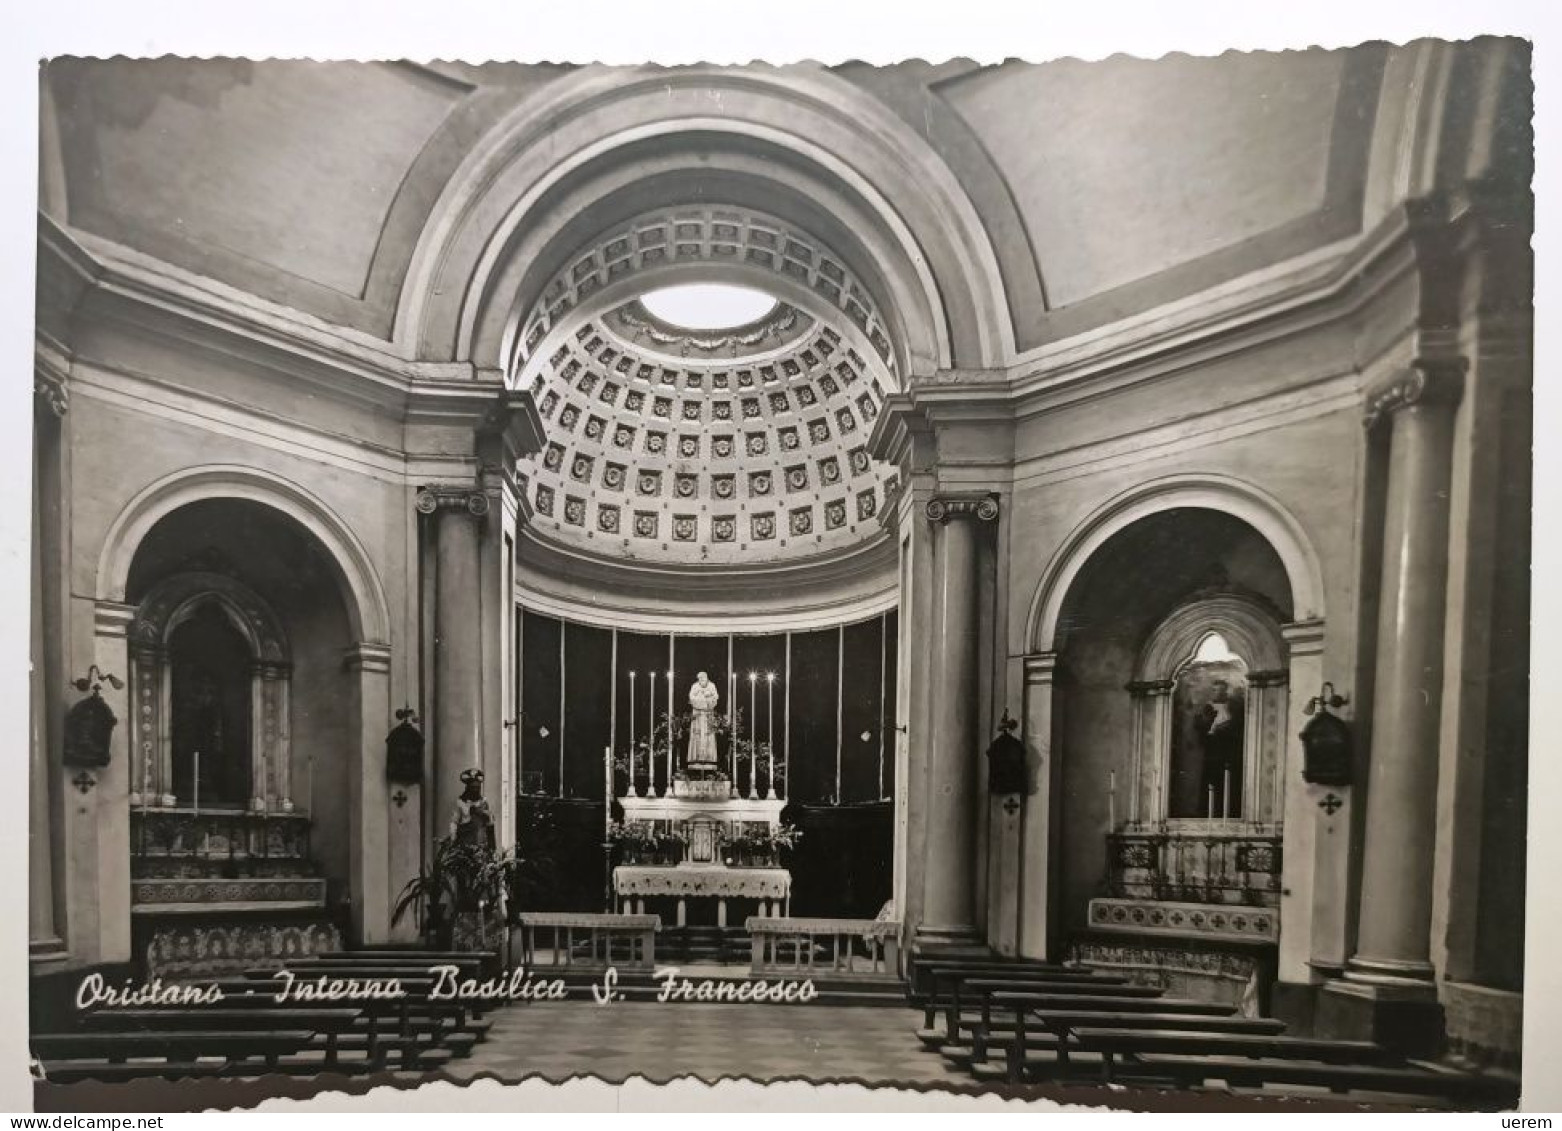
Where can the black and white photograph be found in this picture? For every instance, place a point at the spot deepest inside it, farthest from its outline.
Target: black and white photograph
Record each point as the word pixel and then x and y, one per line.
pixel 980 578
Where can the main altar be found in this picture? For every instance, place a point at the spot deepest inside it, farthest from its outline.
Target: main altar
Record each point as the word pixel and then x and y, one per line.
pixel 706 833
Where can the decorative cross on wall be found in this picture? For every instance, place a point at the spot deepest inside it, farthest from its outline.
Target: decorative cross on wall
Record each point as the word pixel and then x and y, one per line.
pixel 399 797
pixel 84 781
pixel 1331 804
pixel 1011 805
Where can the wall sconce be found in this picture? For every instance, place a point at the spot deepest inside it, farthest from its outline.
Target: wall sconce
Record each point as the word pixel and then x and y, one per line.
pixel 89 724
pixel 404 749
pixel 1006 760
pixel 1326 740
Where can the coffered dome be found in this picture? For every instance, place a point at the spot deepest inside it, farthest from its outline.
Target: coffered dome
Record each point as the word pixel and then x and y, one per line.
pixel 723 446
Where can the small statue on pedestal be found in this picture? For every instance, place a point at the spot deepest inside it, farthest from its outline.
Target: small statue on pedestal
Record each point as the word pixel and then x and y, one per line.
pixel 473 822
pixel 703 698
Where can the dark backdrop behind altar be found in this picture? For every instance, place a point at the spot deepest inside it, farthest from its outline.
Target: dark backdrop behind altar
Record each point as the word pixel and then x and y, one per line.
pixel 833 723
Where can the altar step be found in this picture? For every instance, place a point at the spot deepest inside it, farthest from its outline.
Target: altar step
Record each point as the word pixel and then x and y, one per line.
pixel 703 944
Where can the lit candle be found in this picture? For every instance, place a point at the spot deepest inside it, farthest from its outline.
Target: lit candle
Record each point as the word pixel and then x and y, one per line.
pixel 650 736
pixel 634 790
pixel 607 793
pixel 770 729
pixel 753 738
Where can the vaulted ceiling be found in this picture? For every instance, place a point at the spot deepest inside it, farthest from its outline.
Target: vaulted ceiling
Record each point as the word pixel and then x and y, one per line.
pixel 1104 188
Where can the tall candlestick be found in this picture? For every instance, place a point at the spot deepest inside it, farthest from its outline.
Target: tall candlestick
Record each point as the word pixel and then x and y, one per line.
pixel 1225 796
pixel 607 793
pixel 195 803
pixel 669 732
pixel 753 737
pixel 770 729
pixel 1111 801
pixel 634 790
pixel 650 736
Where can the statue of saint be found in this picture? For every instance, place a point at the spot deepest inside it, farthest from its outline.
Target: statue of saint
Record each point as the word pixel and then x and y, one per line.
pixel 703 697
pixel 473 822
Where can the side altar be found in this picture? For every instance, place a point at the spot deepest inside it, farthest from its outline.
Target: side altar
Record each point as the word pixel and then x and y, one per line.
pixel 703 837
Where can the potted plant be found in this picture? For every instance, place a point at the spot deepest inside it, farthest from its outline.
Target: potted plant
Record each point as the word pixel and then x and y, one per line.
pixel 460 879
pixel 634 840
pixel 670 846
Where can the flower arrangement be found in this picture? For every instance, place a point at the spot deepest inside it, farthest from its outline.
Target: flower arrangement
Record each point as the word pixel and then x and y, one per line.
pixel 641 842
pixel 761 848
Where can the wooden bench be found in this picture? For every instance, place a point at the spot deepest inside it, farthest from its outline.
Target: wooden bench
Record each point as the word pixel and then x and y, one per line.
pixel 1061 1023
pixel 168 1046
pixel 1196 1071
pixel 769 934
pixel 946 983
pixel 923 971
pixel 973 990
pixel 602 932
pixel 986 1023
pixel 1113 1043
pixel 330 1023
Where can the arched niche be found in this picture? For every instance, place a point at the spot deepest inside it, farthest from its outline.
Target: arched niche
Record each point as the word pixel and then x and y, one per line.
pixel 1236 761
pixel 175 717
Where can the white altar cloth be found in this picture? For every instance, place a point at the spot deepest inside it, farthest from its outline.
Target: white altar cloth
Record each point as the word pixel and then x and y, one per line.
pixel 633 883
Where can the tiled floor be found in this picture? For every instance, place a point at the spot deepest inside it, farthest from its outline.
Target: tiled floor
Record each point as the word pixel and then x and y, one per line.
pixel 556 1040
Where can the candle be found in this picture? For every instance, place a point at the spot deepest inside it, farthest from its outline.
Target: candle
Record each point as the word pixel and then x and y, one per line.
pixel 650 736
pixel 634 790
pixel 1111 801
pixel 195 804
pixel 770 729
pixel 669 731
pixel 607 793
pixel 1225 796
pixel 1209 804
pixel 753 737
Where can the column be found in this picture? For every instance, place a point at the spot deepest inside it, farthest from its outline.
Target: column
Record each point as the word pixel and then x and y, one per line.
pixel 1039 830
pixel 1316 841
pixel 948 908
pixel 43 937
pixel 455 516
pixel 368 793
pixel 1394 930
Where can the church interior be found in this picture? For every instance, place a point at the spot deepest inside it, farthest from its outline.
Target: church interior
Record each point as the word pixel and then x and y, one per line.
pixel 1039 552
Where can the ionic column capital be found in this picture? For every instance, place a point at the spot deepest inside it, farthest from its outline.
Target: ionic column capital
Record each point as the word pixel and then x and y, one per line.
pixel 1428 380
pixel 945 506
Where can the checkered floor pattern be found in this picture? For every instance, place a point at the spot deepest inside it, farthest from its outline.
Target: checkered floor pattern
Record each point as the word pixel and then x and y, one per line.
pixel 557 1040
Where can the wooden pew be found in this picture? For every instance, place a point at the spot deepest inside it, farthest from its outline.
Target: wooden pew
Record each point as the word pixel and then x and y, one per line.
pixel 1061 1023
pixel 414 1024
pixel 964 988
pixel 164 1052
pixel 1137 1042
pixel 986 1028
pixel 1192 1071
pixel 330 1023
pixel 923 971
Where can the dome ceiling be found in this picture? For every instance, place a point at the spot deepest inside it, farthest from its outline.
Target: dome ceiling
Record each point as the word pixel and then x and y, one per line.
pixel 728 446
